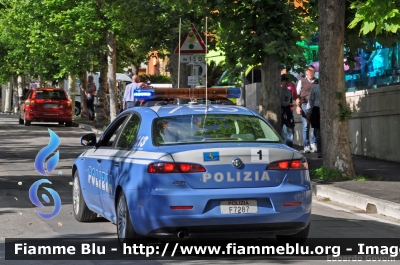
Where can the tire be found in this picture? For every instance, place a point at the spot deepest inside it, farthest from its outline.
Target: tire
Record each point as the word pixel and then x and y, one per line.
pixel 299 237
pixel 77 109
pixel 81 212
pixel 68 123
pixel 125 231
pixel 61 122
pixel 20 121
pixel 26 122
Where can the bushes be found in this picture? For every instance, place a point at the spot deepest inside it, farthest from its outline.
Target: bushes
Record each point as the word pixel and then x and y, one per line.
pixel 156 79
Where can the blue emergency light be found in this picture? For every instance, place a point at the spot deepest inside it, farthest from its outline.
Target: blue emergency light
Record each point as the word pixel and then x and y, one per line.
pixel 172 93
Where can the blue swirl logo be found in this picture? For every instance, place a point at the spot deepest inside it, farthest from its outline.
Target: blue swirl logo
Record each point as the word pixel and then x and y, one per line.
pixel 40 167
pixel 35 200
pixel 45 152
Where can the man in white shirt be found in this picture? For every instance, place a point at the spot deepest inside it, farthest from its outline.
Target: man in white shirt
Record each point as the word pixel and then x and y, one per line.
pixel 303 91
pixel 129 99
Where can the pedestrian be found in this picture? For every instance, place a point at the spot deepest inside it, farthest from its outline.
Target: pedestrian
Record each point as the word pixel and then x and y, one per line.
pixel 303 90
pixel 90 94
pixel 313 116
pixel 129 99
pixel 287 118
pixel 25 91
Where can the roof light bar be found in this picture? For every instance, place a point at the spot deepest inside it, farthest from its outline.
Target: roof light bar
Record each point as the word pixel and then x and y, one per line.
pixel 166 93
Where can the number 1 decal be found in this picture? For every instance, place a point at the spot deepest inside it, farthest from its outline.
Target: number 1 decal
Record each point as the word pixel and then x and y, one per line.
pixel 259 155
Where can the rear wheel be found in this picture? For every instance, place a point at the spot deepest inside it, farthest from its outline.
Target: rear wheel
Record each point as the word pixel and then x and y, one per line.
pixel 126 232
pixel 68 123
pixel 299 237
pixel 26 122
pixel 77 109
pixel 81 212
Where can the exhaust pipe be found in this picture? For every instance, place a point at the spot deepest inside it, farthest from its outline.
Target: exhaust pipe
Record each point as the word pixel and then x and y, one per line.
pixel 182 234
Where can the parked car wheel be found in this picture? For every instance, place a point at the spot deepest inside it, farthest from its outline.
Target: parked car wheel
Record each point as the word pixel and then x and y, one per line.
pixel 68 123
pixel 77 108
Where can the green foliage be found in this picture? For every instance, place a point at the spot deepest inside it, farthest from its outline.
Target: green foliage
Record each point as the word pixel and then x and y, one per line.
pixel 253 30
pixel 331 174
pixel 378 15
pixel 156 79
pixel 344 113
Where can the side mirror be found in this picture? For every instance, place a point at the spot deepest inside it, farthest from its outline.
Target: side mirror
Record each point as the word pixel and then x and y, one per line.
pixel 88 139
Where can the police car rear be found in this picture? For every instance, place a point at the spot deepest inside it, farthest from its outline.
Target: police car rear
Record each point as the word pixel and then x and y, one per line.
pixel 230 175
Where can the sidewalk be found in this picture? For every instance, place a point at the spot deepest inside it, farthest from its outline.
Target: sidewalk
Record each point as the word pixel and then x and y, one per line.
pixel 382 197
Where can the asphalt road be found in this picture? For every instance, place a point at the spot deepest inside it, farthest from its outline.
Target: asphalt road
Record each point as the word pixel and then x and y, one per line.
pixel 19 146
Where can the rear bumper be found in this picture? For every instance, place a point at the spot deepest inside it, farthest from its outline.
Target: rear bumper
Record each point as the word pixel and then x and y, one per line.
pixel 49 117
pixel 152 216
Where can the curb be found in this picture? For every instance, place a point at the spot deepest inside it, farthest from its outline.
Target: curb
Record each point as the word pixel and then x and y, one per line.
pixel 88 128
pixel 361 201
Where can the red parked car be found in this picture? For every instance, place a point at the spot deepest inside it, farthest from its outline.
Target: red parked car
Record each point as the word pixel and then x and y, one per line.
pixel 46 105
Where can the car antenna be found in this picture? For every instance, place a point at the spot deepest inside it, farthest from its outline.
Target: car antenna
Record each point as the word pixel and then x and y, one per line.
pixel 205 59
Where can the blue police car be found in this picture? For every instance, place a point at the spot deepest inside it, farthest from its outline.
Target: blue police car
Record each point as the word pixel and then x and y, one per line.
pixel 190 171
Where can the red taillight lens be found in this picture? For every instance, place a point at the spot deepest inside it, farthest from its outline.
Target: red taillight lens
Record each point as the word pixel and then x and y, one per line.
pixel 289 165
pixel 181 207
pixel 174 168
pixel 291 203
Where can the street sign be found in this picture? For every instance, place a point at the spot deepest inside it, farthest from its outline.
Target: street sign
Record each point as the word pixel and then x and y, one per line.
pixel 191 43
pixel 193 80
pixel 192 58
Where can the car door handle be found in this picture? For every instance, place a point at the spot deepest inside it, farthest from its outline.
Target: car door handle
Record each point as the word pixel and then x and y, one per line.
pixel 99 160
pixel 116 164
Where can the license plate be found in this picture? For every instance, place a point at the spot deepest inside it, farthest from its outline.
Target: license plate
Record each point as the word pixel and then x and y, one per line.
pixel 238 206
pixel 50 105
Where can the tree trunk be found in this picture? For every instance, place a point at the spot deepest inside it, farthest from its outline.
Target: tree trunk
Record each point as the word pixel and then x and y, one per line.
pixel 21 86
pixel 72 91
pixel 15 97
pixel 101 105
pixel 84 84
pixel 270 104
pixel 3 97
pixel 135 69
pixel 112 66
pixel 8 97
pixel 334 133
pixel 184 71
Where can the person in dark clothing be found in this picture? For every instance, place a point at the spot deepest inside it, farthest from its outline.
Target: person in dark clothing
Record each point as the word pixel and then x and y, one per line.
pixel 90 94
pixel 287 114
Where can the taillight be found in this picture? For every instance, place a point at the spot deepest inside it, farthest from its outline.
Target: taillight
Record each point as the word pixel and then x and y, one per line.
pixel 161 167
pixel 32 103
pixel 68 103
pixel 295 164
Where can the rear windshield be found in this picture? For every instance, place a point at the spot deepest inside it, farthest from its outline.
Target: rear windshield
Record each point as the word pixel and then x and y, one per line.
pixel 211 128
pixel 49 94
